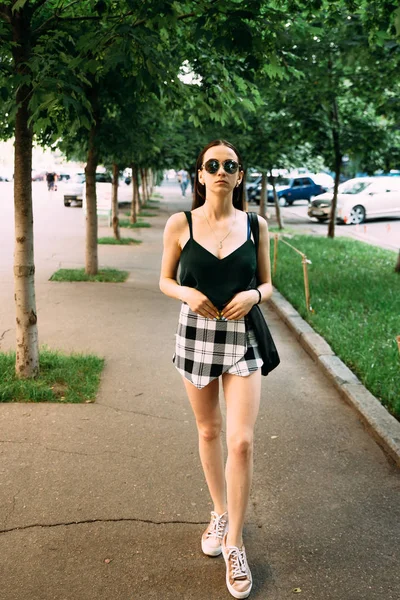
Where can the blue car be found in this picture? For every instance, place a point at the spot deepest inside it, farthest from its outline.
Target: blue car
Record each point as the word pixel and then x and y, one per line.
pixel 288 190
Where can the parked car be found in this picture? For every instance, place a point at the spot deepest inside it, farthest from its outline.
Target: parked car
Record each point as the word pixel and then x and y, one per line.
pixel 253 180
pixel 290 189
pixel 38 175
pixel 63 177
pixel 6 175
pixel 74 188
pixel 359 199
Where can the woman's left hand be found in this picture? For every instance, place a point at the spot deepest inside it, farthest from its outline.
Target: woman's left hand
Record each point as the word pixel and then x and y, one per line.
pixel 240 305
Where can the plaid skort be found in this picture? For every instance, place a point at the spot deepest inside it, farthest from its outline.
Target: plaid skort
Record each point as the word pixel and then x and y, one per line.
pixel 205 348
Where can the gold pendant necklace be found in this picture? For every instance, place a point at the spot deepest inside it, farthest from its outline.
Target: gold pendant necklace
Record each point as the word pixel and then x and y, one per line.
pixel 224 238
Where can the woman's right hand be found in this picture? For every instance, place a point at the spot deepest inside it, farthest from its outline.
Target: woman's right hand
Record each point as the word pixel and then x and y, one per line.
pixel 199 303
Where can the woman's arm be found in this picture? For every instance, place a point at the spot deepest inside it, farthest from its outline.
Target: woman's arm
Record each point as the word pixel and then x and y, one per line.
pixel 171 255
pixel 198 302
pixel 264 262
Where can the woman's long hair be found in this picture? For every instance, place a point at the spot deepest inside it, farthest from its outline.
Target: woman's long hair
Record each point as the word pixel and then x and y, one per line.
pixel 200 189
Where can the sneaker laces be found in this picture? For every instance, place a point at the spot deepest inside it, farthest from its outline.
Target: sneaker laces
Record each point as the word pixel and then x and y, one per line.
pixel 239 568
pixel 217 525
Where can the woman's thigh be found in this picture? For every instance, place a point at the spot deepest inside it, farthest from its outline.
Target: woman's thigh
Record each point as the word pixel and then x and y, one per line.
pixel 242 396
pixel 205 402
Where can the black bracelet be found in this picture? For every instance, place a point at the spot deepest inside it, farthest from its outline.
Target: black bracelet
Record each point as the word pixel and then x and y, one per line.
pixel 260 297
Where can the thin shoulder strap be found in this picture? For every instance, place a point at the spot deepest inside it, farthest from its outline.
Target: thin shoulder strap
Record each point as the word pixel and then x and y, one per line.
pixel 254 228
pixel 189 220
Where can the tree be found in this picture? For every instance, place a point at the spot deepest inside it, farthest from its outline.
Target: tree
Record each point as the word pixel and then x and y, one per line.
pixel 20 81
pixel 54 68
pixel 337 96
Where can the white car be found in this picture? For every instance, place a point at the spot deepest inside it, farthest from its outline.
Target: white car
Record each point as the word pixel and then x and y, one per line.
pixel 74 189
pixel 359 199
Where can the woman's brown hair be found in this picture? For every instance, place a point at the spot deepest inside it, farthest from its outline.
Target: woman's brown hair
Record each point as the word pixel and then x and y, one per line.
pixel 199 188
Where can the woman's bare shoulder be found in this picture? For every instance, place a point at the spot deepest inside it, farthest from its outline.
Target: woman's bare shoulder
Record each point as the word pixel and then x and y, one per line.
pixel 176 223
pixel 262 224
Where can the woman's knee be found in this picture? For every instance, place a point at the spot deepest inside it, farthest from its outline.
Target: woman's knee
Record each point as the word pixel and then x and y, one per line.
pixel 240 446
pixel 208 432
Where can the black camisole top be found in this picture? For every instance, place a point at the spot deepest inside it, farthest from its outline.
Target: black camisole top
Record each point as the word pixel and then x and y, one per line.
pixel 217 278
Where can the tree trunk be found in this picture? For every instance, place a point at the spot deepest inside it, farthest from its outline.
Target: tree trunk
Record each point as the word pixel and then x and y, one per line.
pixel 144 183
pixel 263 194
pixel 276 202
pixel 147 178
pixel 114 205
pixel 332 218
pixel 397 267
pixel 338 160
pixel 92 264
pixel 133 217
pixel 150 177
pixel 27 343
pixel 138 198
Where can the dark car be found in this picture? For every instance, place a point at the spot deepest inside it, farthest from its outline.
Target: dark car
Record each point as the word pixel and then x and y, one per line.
pixel 253 180
pixel 288 190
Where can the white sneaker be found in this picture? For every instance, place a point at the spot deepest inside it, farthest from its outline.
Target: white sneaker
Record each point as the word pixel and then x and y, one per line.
pixel 212 537
pixel 238 576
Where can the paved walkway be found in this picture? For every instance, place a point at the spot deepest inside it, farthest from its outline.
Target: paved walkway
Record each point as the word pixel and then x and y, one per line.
pixel 107 501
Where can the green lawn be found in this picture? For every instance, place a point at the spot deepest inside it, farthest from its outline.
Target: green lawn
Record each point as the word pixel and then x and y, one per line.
pixel 63 378
pixel 138 224
pixel 151 205
pixel 355 294
pixel 104 275
pixel 121 242
pixel 146 213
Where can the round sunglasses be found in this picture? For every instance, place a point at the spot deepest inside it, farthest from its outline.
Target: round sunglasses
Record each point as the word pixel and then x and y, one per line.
pixel 229 166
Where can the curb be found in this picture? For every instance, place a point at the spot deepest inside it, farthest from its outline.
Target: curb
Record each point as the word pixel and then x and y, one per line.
pixel 384 428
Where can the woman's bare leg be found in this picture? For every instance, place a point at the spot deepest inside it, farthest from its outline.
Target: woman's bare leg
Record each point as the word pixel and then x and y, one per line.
pixel 242 396
pixel 207 411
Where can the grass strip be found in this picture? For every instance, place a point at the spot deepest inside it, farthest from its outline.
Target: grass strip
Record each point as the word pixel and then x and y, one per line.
pixel 138 224
pixel 121 242
pixel 287 230
pixel 355 294
pixel 145 213
pixel 104 275
pixel 153 206
pixel 72 378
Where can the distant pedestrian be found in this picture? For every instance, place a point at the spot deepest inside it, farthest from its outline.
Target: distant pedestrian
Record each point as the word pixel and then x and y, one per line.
pixel 215 248
pixel 183 178
pixel 51 179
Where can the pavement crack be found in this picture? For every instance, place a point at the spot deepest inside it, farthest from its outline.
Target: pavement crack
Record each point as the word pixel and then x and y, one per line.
pixel 138 412
pixel 3 334
pixel 87 521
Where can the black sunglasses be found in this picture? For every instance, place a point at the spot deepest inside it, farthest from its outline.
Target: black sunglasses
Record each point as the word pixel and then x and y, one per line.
pixel 212 166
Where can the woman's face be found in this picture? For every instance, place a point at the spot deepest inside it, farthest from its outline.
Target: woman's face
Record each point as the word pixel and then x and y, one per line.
pixel 220 181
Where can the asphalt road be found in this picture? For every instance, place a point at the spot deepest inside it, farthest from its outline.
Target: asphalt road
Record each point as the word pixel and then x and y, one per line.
pixel 383 232
pixel 55 228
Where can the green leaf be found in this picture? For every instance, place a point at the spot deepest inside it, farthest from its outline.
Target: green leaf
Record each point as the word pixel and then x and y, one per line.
pixel 19 4
pixel 397 21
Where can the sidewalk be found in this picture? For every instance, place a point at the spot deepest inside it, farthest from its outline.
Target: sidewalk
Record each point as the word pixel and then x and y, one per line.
pixel 107 501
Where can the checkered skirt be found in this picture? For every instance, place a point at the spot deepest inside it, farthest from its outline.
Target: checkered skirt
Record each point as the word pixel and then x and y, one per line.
pixel 205 348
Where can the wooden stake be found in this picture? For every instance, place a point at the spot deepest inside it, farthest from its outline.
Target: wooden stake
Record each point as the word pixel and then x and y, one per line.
pixel 276 239
pixel 306 285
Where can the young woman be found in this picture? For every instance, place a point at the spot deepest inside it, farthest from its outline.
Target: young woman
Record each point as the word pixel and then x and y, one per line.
pixel 215 249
